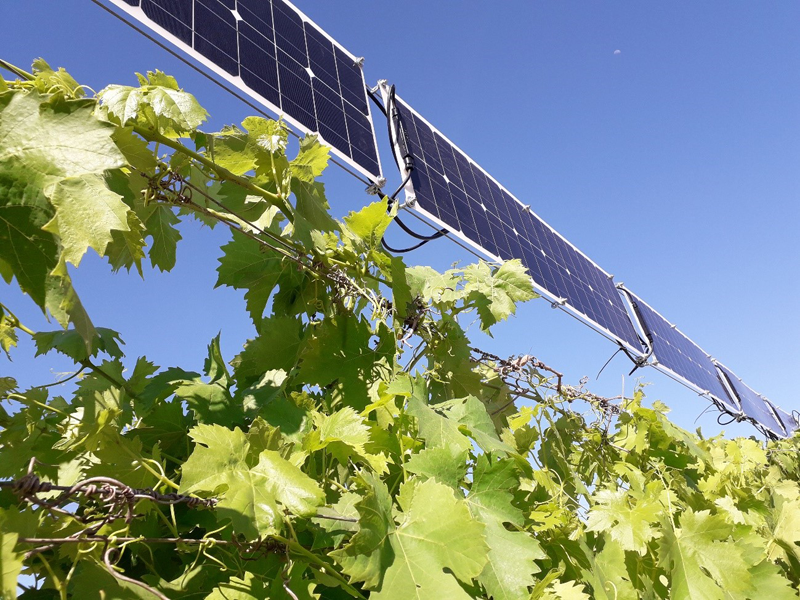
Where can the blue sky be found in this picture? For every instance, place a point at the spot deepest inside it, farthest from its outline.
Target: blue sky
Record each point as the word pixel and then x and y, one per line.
pixel 672 163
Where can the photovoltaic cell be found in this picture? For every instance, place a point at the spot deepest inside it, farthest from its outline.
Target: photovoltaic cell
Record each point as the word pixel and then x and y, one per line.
pixel 679 354
pixel 754 405
pixel 455 192
pixel 270 50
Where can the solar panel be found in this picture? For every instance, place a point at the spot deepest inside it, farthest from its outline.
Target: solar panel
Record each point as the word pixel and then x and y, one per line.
pixel 274 53
pixel 754 405
pixel 450 190
pixel 681 356
pixel 790 423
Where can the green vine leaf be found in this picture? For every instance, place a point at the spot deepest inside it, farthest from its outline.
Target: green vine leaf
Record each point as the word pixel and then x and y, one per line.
pixel 702 561
pixel 42 141
pixel 246 265
pixel 568 590
pixel 509 571
pixel 311 160
pixel 8 333
pixel 338 350
pixel 495 292
pixel 86 214
pixel 608 573
pixel 71 344
pixel 157 104
pixel 368 225
pixel 10 565
pixel 408 559
pixel 630 521
pixel 344 434
pixel 93 582
pixel 312 211
pixel 160 224
pixel 278 348
pixel 250 494
pixel 447 465
pixel 55 137
pixel 438 431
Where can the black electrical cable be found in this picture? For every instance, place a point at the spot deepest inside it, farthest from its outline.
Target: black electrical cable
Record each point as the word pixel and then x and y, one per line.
pixel 426 238
pixel 374 99
pixel 391 113
pixel 600 372
pixel 403 250
pixel 399 189
pixel 638 361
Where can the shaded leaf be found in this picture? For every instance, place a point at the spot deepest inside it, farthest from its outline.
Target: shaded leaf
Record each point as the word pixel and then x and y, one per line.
pixel 446 465
pixel 277 348
pixel 160 227
pixel 248 265
pixel 71 343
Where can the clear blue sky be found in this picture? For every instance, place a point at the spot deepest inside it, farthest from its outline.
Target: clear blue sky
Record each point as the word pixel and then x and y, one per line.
pixel 674 164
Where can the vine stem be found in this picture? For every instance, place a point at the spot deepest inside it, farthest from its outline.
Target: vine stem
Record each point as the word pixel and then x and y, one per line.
pixel 17 323
pixel 117 575
pixel 418 354
pixel 57 583
pixel 298 549
pixel 142 461
pixel 16 70
pixel 25 400
pixel 274 199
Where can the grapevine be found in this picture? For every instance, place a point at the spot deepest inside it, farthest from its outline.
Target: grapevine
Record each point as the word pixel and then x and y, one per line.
pixel 359 446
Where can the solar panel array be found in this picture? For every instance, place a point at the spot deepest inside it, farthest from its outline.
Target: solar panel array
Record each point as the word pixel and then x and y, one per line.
pixel 455 192
pixel 681 355
pixel 273 52
pixel 270 50
pixel 755 406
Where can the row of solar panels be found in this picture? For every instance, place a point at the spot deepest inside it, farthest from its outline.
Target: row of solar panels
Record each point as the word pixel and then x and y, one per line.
pixel 271 51
pixel 452 191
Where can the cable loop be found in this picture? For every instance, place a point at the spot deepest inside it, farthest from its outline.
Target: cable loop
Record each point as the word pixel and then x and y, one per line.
pixel 392 113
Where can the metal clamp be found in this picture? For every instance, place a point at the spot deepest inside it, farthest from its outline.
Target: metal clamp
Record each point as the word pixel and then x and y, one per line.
pixel 374 188
pixel 411 202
